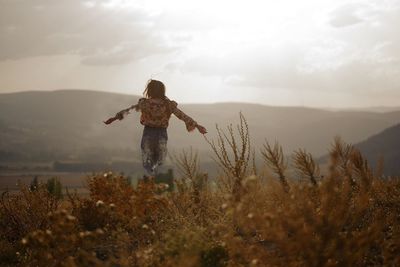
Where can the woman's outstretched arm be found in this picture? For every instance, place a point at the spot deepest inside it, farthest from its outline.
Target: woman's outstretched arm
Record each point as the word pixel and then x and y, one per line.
pixel 120 115
pixel 190 123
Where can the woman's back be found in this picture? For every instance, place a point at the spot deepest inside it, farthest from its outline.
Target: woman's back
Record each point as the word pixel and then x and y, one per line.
pixel 156 112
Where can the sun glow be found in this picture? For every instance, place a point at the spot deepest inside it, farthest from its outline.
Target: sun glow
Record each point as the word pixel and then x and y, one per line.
pixel 308 52
pixel 215 32
pixel 239 24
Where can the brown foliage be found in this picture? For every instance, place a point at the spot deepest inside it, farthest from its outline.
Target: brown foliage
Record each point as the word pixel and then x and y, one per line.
pixel 347 217
pixel 233 156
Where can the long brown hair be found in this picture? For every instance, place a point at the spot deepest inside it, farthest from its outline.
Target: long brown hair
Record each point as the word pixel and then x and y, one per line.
pixel 154 89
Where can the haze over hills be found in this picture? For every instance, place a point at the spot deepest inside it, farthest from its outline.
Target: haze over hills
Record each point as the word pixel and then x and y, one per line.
pixel 386 144
pixel 381 109
pixel 67 125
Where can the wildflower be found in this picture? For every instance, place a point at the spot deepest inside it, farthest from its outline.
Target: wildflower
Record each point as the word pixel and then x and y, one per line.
pixel 239 207
pixel 24 241
pixel 99 203
pixel 332 262
pixel 249 179
pixel 71 218
pixel 228 196
pixel 64 211
pixel 268 216
pixel 164 186
pixel 336 189
pixel 99 231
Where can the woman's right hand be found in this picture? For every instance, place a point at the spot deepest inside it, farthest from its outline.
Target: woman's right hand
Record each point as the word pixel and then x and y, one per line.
pixel 119 115
pixel 201 129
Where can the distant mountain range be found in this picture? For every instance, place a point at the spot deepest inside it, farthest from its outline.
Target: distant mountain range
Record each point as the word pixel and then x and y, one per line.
pixel 67 125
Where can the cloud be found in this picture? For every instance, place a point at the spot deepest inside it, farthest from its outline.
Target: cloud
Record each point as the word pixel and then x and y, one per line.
pixel 289 67
pixel 98 33
pixel 360 60
pixel 343 48
pixel 345 16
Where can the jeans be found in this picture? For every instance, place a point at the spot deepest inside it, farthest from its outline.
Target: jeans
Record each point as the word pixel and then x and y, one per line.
pixel 154 148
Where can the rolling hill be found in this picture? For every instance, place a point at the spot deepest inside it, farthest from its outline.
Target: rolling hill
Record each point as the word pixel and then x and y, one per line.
pixel 385 144
pixel 67 125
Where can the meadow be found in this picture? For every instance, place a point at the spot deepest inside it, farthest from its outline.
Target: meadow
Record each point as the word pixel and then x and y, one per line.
pixel 346 215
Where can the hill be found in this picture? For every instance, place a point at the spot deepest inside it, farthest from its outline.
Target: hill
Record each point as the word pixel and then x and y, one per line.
pixel 67 125
pixel 385 144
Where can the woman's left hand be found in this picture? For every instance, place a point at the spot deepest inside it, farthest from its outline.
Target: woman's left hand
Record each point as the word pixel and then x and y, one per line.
pixel 201 129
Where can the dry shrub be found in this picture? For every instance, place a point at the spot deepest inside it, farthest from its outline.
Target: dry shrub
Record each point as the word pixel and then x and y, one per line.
pixel 21 214
pixel 115 203
pixel 347 217
pixel 232 154
pixel 193 196
pixel 189 245
pixel 26 211
pixel 344 220
pixel 64 243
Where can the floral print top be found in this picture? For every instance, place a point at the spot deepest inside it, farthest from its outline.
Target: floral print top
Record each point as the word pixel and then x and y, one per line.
pixel 156 112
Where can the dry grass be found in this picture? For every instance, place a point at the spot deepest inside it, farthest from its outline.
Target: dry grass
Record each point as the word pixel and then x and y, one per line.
pixel 347 217
pixel 232 154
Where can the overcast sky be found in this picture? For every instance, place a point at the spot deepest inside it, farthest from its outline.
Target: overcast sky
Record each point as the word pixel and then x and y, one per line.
pixel 321 53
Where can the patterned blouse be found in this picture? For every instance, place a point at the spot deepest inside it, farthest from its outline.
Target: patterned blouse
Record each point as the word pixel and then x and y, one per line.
pixel 156 112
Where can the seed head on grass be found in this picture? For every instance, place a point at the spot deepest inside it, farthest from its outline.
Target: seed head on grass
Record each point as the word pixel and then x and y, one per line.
pixel 306 166
pixel 275 159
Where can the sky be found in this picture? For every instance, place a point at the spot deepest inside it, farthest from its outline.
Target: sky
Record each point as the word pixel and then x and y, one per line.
pixel 317 53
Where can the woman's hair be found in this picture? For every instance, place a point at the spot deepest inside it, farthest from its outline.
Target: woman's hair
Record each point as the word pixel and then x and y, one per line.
pixel 154 89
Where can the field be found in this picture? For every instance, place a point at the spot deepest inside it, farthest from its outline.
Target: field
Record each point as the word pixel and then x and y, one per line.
pixel 10 180
pixel 346 215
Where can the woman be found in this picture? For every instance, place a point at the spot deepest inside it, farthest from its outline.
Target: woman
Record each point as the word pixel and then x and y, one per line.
pixel 156 110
